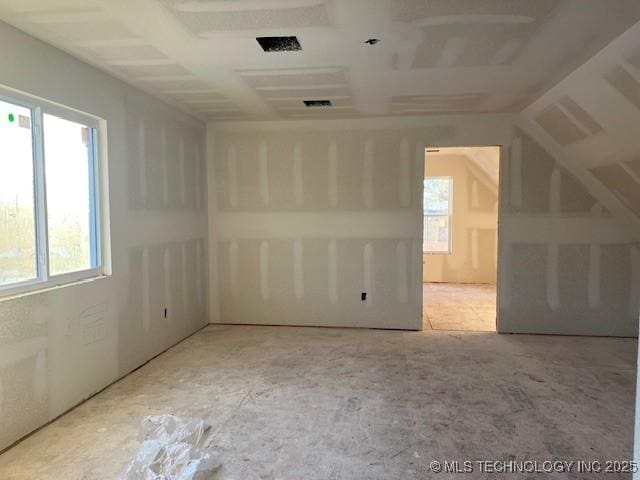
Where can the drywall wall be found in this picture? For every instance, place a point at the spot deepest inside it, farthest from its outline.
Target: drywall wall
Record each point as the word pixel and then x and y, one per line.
pixel 474 223
pixel 588 119
pixel 60 346
pixel 310 214
pixel 586 122
pixel 568 266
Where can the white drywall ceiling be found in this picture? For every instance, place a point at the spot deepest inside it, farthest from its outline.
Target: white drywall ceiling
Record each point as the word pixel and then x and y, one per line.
pixel 434 56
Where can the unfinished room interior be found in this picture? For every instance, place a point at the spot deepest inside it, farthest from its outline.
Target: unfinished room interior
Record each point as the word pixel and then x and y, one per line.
pixel 319 239
pixel 459 290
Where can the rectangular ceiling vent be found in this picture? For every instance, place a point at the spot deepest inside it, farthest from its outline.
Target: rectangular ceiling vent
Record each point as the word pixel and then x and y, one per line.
pixel 317 103
pixel 279 44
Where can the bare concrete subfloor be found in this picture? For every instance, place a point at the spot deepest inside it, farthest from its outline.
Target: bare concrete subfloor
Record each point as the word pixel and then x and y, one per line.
pixel 459 306
pixel 313 403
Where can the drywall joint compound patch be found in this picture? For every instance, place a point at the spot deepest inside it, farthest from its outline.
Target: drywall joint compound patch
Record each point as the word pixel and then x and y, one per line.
pixel 232 176
pixel 264 270
pixel 402 274
pixel 185 280
pixel 553 287
pixel 404 187
pixel 333 272
pixel 367 260
pixel 367 174
pixel 516 173
pixel 146 302
pixel 298 274
pixel 233 267
pixel 333 174
pixel 594 275
pixel 298 184
pixel 264 172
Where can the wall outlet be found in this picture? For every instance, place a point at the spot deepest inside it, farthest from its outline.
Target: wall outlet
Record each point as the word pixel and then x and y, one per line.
pixel 165 313
pixel 363 296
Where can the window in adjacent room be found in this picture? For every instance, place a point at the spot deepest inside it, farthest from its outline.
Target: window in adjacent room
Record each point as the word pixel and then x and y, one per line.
pixel 49 201
pixel 437 214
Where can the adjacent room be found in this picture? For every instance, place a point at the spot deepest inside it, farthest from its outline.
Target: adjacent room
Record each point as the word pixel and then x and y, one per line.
pixel 319 239
pixel 460 250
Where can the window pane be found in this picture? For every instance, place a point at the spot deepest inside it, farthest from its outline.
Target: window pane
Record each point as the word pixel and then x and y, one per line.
pixel 67 161
pixel 436 234
pixel 17 217
pixel 437 193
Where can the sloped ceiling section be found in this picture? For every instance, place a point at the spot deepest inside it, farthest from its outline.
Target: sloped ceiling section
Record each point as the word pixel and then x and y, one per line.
pixel 434 56
pixel 591 120
pixel 486 159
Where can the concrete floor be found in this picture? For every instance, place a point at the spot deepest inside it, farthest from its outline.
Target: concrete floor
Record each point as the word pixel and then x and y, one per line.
pixel 313 403
pixel 459 306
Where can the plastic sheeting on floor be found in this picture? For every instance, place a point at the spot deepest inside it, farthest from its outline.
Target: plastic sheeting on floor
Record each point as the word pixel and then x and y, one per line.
pixel 173 448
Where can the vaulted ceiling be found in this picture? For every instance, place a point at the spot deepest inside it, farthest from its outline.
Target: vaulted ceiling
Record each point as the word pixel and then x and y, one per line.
pixel 434 56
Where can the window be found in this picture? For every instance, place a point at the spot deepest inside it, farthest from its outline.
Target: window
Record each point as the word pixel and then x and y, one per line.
pixel 49 208
pixel 437 214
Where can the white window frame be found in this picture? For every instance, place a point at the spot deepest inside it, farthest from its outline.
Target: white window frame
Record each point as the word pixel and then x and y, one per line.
pixel 97 196
pixel 448 215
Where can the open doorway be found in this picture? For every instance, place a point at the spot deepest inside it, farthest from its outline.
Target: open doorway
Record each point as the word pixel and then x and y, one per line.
pixel 460 243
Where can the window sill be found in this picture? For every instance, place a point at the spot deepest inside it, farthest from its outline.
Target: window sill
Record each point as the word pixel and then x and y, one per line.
pixel 40 288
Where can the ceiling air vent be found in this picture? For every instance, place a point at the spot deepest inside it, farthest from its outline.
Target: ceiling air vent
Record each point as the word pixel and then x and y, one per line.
pixel 317 103
pixel 279 44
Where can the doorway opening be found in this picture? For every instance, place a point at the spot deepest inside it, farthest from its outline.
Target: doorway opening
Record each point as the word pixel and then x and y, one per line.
pixel 460 238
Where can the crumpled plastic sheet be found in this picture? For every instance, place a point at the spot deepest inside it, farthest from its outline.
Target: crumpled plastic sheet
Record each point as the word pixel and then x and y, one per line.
pixel 173 448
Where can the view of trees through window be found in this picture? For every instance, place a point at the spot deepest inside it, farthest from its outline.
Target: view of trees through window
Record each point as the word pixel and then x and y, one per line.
pixel 70 214
pixel 66 148
pixel 437 214
pixel 17 220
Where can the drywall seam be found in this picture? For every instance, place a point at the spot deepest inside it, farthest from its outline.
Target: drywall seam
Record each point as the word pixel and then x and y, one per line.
pixel 232 176
pixel 333 272
pixel 634 300
pixel 211 256
pixel 367 174
pixel 564 230
pixel 404 178
pixel 554 192
pixel 475 254
pixel 146 302
pixel 287 225
pixel 263 162
pixel 168 291
pixel 298 272
pixel 182 163
pixel 332 166
pixel 142 161
pixel 185 280
pixel 402 274
pixel 298 185
pixel 367 272
pixel 233 267
pixel 516 172
pixel 630 221
pixel 164 166
pixel 265 289
pixel 594 275
pixel 199 176
pixel 553 288
pixel 199 263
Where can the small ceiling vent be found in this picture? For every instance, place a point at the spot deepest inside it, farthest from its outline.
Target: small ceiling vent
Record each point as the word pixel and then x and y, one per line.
pixel 279 44
pixel 317 103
